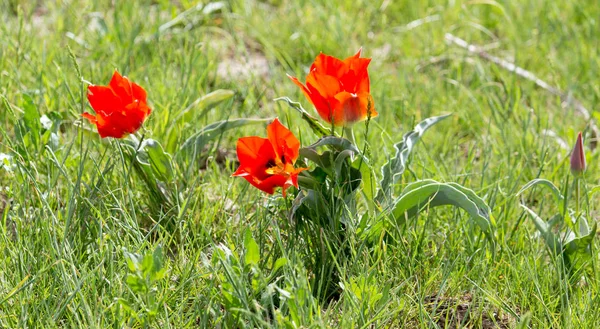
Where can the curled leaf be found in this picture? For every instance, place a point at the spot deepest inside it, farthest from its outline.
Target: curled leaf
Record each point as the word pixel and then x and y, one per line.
pixel 394 168
pixel 312 122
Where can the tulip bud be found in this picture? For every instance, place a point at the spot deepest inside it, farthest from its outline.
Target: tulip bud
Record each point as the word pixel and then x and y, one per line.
pixel 578 158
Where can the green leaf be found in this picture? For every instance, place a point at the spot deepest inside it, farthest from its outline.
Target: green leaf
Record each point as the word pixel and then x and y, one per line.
pixel 551 239
pixel 394 168
pixel 341 149
pixel 135 283
pixel 205 103
pixel 252 255
pixel 429 194
pixel 593 191
pixel 147 264
pixel 31 118
pixel 337 143
pixel 197 141
pixel 279 263
pixel 158 264
pixel 132 261
pixel 159 196
pixel 152 153
pixel 524 322
pixel 544 182
pixel 311 200
pixel 578 250
pixel 314 156
pixel 367 176
pixel 7 105
pixel 341 162
pixel 316 126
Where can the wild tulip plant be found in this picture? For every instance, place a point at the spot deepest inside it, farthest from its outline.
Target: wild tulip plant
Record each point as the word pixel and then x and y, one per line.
pixel 567 234
pixel 338 196
pixel 121 108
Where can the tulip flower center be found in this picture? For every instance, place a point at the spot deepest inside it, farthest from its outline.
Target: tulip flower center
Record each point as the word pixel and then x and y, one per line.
pixel 278 166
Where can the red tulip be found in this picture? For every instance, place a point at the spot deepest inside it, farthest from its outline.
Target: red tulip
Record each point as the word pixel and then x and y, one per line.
pixel 578 157
pixel 120 107
pixel 339 90
pixel 268 163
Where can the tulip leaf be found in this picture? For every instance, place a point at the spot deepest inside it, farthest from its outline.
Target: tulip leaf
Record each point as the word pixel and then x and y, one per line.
pixel 544 182
pixel 206 102
pixel 429 193
pixel 317 127
pixel 545 229
pixel 153 154
pixel 578 250
pixel 314 156
pixel 338 143
pixel 367 177
pixel 312 202
pixel 198 140
pixel 341 162
pixel 394 168
pixel 145 171
pixel 341 149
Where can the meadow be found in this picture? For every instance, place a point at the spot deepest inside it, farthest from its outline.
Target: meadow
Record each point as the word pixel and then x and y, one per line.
pixel 152 231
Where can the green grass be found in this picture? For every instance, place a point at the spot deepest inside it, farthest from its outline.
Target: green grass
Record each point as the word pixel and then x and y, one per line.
pixel 71 210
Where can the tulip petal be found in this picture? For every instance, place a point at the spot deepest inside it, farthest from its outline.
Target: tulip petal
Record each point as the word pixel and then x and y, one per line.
pixel 121 86
pixel 578 162
pixel 267 163
pixel 329 65
pixel 326 87
pixel 103 99
pixel 120 107
pixel 138 92
pixel 90 117
pixel 254 153
pixel 313 96
pixel 284 143
pixel 356 80
pixel 353 108
pixel 268 185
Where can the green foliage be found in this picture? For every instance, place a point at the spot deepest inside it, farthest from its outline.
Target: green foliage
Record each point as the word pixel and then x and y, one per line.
pixel 426 194
pixel 204 104
pixel 565 234
pixel 31 119
pixel 252 255
pixel 152 154
pixel 71 202
pixel 326 208
pixel 313 123
pixel 195 144
pixel 394 168
pixel 145 273
pixel 145 270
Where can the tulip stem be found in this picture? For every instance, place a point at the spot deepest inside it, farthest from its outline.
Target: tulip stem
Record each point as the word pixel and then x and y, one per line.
pixel 349 134
pixel 577 195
